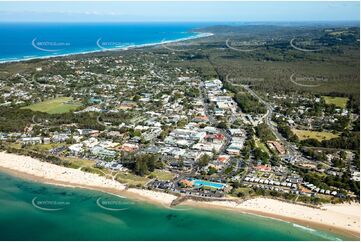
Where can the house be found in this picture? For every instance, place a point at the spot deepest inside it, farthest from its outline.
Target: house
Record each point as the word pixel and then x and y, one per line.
pixel 210 147
pixel 87 131
pixel 76 149
pixel 188 134
pixel 59 138
pixel 355 176
pixel 126 105
pixel 95 100
pixel 233 151
pixel 200 119
pixel 223 158
pixel 31 140
pixel 274 145
pixel 91 142
pixel 127 147
pixel 236 132
pixel 46 140
pixel 235 147
pixel 334 193
pixel 264 168
pixel 186 183
pixel 102 152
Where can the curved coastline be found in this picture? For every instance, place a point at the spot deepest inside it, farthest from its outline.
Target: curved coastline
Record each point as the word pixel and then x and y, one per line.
pixel 98 50
pixel 43 172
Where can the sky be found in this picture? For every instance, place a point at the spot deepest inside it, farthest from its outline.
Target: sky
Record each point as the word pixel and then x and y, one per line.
pixel 178 11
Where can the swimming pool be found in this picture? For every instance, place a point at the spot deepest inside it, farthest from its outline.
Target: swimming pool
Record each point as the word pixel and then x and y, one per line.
pixel 202 183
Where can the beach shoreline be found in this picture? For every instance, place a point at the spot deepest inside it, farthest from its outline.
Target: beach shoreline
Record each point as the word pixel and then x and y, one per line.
pixel 100 50
pixel 309 224
pixel 343 219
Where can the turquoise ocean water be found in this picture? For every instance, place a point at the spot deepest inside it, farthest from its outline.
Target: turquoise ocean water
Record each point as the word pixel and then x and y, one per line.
pixel 33 211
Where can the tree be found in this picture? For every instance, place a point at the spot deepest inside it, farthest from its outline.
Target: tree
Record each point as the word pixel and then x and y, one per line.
pixel 204 160
pixel 180 163
pixel 141 167
pixel 264 133
pixel 145 163
pixel 261 155
pixel 222 125
pixel 212 170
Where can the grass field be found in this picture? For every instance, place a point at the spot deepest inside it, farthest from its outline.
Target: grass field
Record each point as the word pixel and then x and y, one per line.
pixel 131 179
pixel 261 145
pixel 44 147
pixel 337 101
pixel 55 106
pixel 77 162
pixel 308 134
pixel 162 175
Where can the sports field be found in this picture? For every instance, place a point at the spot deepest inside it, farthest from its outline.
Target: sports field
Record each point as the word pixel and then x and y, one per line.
pixel 340 102
pixel 309 134
pixel 55 106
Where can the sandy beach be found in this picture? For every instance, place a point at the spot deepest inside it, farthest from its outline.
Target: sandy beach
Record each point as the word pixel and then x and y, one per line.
pixel 36 170
pixel 55 173
pixel 152 196
pixel 340 218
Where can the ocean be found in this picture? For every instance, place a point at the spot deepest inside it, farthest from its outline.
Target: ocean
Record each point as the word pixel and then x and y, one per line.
pixel 34 211
pixel 22 41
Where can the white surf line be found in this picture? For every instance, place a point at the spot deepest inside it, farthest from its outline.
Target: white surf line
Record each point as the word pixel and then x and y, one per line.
pixel 302 85
pixel 301 49
pixel 134 47
pixel 199 35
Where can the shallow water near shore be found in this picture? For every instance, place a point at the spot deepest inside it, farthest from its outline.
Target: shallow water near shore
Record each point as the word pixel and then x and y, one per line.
pixel 34 211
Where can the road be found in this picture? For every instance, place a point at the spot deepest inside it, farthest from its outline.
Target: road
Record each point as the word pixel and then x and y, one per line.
pixel 268 120
pixel 213 121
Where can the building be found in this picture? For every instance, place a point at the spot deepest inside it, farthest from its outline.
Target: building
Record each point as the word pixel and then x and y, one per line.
pixel 127 147
pixel 31 140
pixel 274 145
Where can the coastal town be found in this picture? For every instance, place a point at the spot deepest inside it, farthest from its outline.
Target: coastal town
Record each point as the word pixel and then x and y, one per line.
pixel 180 120
pixel 172 130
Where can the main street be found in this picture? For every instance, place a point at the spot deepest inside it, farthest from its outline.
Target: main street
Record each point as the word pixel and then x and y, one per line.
pixel 213 121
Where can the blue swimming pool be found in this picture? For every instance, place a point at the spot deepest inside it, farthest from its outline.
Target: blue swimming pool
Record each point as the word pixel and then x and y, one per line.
pixel 202 183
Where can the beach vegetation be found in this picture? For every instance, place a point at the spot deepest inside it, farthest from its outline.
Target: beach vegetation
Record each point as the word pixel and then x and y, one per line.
pixel 131 179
